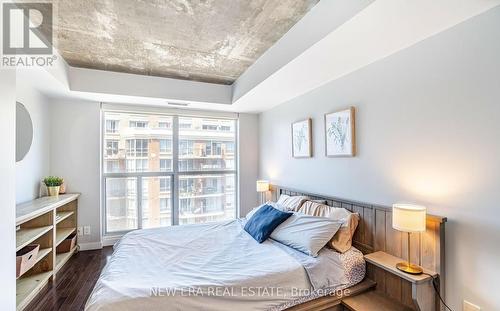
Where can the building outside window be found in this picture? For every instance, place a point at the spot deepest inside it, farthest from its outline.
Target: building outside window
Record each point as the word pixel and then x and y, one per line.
pixel 138 124
pixel 137 147
pixel 210 127
pixel 203 186
pixel 185 125
pixel 137 165
pixel 165 165
pixel 111 147
pixel 164 184
pixel 164 125
pixel 164 205
pixel 112 166
pixel 165 145
pixel 230 148
pixel 112 126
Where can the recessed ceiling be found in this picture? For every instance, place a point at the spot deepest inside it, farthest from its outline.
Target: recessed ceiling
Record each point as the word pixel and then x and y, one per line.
pixel 205 40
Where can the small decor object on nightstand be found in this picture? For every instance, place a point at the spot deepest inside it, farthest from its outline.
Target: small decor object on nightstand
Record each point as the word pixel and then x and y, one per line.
pixel 340 133
pixel 409 218
pixel 301 139
pixel 262 188
pixel 53 184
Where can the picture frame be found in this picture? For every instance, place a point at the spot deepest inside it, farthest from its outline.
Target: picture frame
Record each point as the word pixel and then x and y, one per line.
pixel 340 133
pixel 302 138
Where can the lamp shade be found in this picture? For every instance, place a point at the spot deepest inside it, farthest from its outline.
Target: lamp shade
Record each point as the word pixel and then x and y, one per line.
pixel 408 217
pixel 262 185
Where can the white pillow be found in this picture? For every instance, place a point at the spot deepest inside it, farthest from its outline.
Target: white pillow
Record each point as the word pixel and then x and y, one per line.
pixel 318 201
pixel 291 203
pixel 308 234
pixel 342 240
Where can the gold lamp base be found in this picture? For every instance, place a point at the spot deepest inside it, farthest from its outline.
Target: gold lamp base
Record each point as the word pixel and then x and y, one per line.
pixel 409 268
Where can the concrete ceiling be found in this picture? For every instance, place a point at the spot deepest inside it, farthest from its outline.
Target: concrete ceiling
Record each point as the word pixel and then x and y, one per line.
pixel 203 40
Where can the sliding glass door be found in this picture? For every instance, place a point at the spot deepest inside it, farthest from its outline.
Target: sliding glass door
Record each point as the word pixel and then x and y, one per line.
pixel 161 170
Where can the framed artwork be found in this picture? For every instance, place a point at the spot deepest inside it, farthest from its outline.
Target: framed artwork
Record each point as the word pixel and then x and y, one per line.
pixel 301 139
pixel 340 133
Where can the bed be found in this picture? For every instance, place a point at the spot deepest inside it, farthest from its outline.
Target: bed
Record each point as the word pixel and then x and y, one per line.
pixel 217 266
pixel 189 267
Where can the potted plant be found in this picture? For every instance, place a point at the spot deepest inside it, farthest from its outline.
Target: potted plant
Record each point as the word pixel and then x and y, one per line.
pixel 53 184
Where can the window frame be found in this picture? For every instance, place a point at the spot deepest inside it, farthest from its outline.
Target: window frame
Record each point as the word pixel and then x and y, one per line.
pixel 174 173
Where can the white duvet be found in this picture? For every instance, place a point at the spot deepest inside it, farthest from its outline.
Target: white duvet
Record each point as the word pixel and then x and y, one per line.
pixel 214 266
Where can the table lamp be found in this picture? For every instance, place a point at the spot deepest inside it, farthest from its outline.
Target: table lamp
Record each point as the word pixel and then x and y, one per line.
pixel 262 188
pixel 408 218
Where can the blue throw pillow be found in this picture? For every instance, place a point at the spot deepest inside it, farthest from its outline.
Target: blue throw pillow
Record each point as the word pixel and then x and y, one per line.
pixel 264 221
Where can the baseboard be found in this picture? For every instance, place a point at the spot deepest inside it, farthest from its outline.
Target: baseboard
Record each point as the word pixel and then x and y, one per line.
pixel 110 240
pixel 90 246
pixel 106 241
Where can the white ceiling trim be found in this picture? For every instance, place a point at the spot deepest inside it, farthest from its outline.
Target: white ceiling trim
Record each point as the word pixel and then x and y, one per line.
pixel 125 84
pixel 62 81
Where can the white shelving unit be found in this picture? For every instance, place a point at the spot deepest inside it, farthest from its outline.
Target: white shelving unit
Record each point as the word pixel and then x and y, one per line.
pixel 47 221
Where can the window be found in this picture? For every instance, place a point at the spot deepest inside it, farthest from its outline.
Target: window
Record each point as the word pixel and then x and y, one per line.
pixel 121 205
pixel 138 124
pixel 137 165
pixel 111 147
pixel 141 184
pixel 156 207
pixel 202 155
pixel 229 148
pixel 113 166
pixel 164 205
pixel 164 184
pixel 137 147
pixel 209 127
pixel 185 125
pixel 165 165
pixel 111 126
pixel 204 198
pixel 199 154
pixel 165 146
pixel 164 125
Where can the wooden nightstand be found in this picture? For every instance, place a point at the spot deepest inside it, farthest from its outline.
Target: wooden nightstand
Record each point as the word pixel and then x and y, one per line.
pixel 422 291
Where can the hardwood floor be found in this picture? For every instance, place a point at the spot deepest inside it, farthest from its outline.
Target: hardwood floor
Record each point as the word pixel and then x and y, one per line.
pixel 74 282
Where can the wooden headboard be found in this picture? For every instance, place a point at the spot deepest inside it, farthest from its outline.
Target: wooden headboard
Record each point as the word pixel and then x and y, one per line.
pixel 375 233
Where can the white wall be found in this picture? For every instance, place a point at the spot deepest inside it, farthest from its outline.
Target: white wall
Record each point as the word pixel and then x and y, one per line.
pixel 74 155
pixel 428 131
pixel 35 164
pixel 248 161
pixel 7 190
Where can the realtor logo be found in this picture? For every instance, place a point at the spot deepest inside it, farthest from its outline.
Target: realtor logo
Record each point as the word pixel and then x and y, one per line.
pixel 22 28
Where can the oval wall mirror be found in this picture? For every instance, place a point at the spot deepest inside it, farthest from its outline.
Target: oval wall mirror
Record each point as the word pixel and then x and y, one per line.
pixel 24 131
